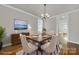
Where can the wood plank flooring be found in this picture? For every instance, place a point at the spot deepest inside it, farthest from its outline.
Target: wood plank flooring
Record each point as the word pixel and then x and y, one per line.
pixel 71 49
pixel 10 50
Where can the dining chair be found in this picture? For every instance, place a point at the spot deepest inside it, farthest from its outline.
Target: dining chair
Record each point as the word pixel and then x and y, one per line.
pixel 28 47
pixel 62 42
pixel 50 47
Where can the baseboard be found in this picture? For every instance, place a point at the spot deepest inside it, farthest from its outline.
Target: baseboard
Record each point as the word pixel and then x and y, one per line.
pixel 74 42
pixel 7 44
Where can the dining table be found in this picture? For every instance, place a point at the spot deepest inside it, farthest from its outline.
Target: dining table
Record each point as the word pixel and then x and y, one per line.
pixel 39 40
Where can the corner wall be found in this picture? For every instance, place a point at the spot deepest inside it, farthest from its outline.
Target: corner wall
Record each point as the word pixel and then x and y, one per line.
pixel 74 27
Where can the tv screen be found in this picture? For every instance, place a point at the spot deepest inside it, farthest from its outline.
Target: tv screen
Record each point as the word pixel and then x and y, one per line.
pixel 20 25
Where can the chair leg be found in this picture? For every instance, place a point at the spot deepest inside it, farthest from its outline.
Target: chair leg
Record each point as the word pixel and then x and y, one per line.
pixel 57 48
pixel 36 52
pixel 50 53
pixel 41 52
pixel 28 54
pixel 54 53
pixel 23 53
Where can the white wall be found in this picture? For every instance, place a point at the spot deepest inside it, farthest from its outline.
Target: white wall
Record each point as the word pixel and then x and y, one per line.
pixel 74 27
pixel 7 17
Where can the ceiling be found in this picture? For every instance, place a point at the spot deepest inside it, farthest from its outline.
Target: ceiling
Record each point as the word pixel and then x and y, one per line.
pixel 51 9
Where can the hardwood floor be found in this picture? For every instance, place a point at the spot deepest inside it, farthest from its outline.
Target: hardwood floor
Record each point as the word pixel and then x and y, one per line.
pixel 10 50
pixel 71 49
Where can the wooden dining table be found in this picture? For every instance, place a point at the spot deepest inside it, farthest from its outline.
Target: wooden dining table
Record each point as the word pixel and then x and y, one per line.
pixel 35 40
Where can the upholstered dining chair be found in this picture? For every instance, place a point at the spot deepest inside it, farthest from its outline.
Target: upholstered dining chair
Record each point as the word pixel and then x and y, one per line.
pixel 27 46
pixel 62 42
pixel 50 47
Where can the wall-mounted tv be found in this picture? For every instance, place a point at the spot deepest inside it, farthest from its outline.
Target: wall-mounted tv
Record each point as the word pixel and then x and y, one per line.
pixel 20 25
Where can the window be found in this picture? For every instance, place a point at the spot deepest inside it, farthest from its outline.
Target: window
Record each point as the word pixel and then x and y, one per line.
pixel 40 25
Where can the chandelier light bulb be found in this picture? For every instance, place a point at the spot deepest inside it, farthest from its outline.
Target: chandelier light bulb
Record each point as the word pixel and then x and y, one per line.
pixel 47 14
pixel 42 15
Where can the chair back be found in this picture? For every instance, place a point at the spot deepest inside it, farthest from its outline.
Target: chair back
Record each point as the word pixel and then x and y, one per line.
pixel 62 41
pixel 24 43
pixel 53 43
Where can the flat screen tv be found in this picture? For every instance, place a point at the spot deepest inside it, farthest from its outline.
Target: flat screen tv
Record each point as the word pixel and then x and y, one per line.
pixel 20 25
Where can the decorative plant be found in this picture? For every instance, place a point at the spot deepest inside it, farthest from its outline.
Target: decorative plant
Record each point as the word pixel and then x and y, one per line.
pixel 1 32
pixel 44 31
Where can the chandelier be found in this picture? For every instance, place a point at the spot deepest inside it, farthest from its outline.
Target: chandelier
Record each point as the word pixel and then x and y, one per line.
pixel 45 15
